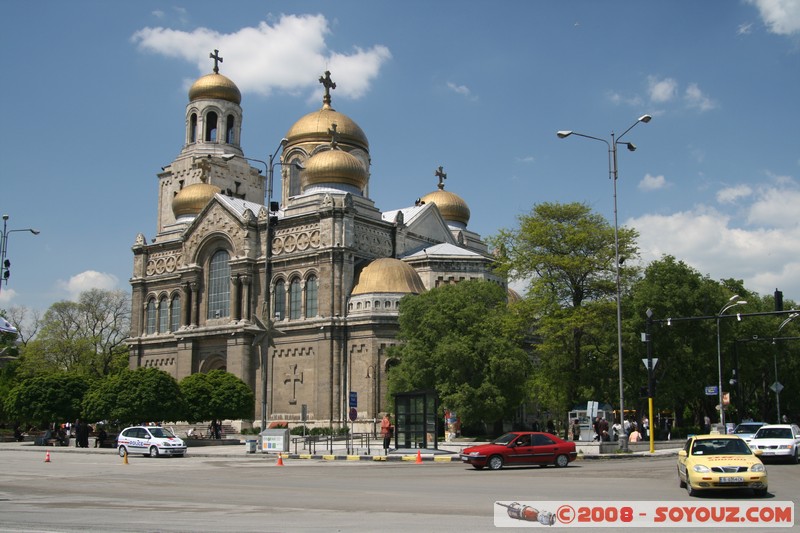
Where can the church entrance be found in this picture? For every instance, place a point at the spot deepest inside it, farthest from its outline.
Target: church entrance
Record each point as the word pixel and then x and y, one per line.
pixel 416 423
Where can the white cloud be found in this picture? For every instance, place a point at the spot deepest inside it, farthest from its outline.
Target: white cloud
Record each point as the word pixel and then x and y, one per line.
pixel 744 29
pixel 780 16
pixel 759 248
pixel 695 98
pixel 730 195
pixel 662 90
pixel 652 183
pixel 463 90
pixel 6 295
pixel 288 55
pixel 89 279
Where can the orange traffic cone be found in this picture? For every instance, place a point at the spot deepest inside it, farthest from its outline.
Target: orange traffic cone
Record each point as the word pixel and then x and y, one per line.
pixel 47 457
pixel 125 457
pixel 419 458
pixel 280 460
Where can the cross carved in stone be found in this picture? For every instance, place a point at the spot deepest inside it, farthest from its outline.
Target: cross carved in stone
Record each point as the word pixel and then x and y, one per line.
pixel 328 83
pixel 294 378
pixel 334 135
pixel 217 59
pixel 441 175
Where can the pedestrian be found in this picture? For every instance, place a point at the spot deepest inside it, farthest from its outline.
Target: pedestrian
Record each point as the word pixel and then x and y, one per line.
pixel 101 438
pixel 706 425
pixel 576 431
pixel 646 427
pixel 635 436
pixel 551 427
pixel 616 430
pixel 602 426
pixel 386 432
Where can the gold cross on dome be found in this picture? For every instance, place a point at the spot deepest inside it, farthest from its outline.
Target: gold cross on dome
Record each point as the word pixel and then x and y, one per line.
pixel 217 59
pixel 328 83
pixel 441 175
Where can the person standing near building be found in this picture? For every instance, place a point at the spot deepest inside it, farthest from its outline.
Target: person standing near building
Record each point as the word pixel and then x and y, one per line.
pixel 386 432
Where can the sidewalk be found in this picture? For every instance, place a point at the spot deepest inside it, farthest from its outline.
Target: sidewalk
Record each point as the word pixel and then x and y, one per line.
pixel 447 452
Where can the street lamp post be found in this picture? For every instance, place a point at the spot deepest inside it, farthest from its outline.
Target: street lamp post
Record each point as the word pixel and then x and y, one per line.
pixel 265 338
pixel 612 174
pixel 777 384
pixel 732 302
pixel 5 264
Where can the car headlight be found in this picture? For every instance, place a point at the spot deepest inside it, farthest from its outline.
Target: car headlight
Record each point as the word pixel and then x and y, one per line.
pixel 701 469
pixel 474 454
pixel 787 446
pixel 757 468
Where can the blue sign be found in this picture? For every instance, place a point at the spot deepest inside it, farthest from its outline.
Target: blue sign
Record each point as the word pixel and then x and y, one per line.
pixel 353 399
pixel 712 390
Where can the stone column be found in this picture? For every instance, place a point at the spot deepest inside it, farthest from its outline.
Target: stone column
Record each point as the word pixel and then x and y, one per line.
pixel 246 307
pixel 195 303
pixel 234 303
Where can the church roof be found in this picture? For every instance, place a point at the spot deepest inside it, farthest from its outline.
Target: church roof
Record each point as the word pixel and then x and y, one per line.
pixel 239 206
pixel 408 213
pixel 443 250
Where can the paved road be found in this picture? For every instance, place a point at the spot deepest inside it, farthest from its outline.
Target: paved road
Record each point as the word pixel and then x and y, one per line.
pixel 93 490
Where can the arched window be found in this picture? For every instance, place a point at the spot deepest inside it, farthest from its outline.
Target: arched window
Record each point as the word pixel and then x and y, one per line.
pixel 163 315
pixel 295 299
pixel 211 127
pixel 219 285
pixel 150 317
pixel 294 177
pixel 311 297
pixel 229 130
pixel 280 300
pixel 175 314
pixel 193 128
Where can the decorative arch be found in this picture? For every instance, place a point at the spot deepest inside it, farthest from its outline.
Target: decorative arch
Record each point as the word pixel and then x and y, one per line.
pixel 213 362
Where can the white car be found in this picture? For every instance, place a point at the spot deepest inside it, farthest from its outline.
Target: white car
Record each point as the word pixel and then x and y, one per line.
pixel 778 441
pixel 149 440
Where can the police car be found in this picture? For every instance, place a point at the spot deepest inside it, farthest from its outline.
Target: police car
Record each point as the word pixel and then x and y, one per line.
pixel 149 440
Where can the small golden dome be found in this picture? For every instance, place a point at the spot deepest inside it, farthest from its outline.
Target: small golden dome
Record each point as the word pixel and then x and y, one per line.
pixel 215 87
pixel 388 275
pixel 193 198
pixel 451 206
pixel 315 127
pixel 333 166
pixel 513 296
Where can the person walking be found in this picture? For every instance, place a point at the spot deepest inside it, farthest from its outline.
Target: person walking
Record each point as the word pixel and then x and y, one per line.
pixel 386 432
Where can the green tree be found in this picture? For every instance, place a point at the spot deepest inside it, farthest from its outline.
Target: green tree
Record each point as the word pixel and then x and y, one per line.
pixel 42 400
pixel 86 337
pixel 216 395
pixel 567 254
pixel 463 342
pixel 135 396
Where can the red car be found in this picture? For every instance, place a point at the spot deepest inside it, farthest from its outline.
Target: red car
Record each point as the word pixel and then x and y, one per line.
pixel 521 448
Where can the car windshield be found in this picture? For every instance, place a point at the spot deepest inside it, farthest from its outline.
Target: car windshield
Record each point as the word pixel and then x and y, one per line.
pixel 161 433
pixel 747 428
pixel 505 439
pixel 774 433
pixel 720 447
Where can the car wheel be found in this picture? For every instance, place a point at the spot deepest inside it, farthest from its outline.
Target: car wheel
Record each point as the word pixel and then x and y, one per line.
pixel 495 462
pixel 760 493
pixel 153 451
pixel 689 488
pixel 795 458
pixel 123 451
pixel 562 461
pixel 681 482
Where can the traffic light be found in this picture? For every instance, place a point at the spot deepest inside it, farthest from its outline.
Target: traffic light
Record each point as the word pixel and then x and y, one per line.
pixel 778 300
pixel 6 271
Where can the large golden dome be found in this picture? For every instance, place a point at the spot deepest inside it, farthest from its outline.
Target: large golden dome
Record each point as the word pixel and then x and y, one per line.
pixel 215 87
pixel 388 275
pixel 450 205
pixel 193 198
pixel 331 167
pixel 315 127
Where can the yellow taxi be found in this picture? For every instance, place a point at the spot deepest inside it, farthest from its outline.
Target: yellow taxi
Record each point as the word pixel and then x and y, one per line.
pixel 713 462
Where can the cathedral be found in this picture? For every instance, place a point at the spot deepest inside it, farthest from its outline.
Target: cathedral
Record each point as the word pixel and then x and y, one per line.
pixel 295 294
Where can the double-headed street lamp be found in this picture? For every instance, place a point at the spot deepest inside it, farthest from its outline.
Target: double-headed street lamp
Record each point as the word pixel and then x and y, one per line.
pixel 732 302
pixel 265 338
pixel 5 264
pixel 612 174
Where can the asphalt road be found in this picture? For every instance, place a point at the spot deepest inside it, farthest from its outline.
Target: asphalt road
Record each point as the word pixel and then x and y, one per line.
pixel 98 492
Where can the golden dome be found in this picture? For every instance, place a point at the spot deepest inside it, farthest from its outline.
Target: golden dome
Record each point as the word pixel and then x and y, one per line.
pixel 315 127
pixel 215 87
pixel 334 166
pixel 193 198
pixel 450 205
pixel 513 296
pixel 388 275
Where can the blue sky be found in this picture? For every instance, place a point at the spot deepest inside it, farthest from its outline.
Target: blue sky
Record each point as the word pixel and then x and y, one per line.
pixel 94 94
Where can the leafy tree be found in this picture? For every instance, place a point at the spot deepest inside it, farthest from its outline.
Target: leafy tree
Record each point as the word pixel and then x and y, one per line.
pixel 45 399
pixel 216 395
pixel 86 336
pixel 135 396
pixel 463 342
pixel 567 253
